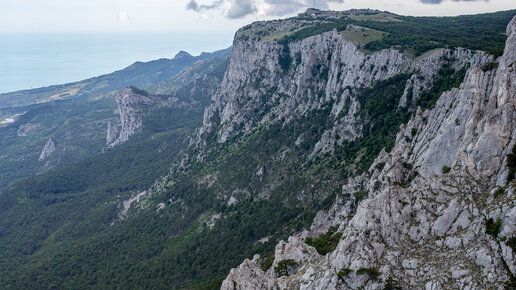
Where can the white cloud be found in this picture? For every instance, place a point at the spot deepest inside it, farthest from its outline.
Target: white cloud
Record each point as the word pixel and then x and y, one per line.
pixel 123 16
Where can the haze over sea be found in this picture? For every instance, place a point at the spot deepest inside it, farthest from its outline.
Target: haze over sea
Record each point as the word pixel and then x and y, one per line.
pixel 37 60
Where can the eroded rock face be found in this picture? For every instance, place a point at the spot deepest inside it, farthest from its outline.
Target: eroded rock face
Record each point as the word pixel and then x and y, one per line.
pixel 49 148
pixel 112 133
pixel 325 67
pixel 130 106
pixel 420 226
pixel 26 129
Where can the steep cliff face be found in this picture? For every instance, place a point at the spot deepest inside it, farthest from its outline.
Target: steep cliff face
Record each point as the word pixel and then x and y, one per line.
pixel 130 106
pixel 440 210
pixel 328 67
pixel 48 149
pixel 112 133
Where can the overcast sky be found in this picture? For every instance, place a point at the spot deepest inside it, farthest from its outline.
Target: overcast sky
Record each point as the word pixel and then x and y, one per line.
pixel 200 15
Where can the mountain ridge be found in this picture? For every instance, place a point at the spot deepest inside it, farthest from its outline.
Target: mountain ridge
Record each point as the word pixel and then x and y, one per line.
pixel 430 204
pixel 318 128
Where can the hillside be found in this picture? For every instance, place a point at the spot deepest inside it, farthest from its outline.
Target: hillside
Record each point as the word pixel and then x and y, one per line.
pixel 77 124
pixel 376 147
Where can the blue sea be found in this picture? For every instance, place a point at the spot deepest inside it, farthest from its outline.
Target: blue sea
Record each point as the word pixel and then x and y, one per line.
pixel 36 60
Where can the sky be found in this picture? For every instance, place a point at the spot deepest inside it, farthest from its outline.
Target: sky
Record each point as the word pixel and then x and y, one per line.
pixel 34 16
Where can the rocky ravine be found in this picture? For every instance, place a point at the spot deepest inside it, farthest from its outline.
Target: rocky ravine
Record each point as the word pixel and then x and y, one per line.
pixel 420 227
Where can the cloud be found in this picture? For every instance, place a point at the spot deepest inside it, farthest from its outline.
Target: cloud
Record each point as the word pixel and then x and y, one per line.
pixel 234 9
pixel 240 8
pixel 193 5
pixel 439 1
pixel 123 16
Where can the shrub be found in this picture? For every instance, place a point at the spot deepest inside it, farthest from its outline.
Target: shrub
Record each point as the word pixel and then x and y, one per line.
pixel 413 131
pixel 380 166
pixel 391 284
pixel 377 185
pixel 499 192
pixel 408 165
pixel 325 243
pixel 361 195
pixel 284 59
pixel 493 227
pixel 267 263
pixel 489 66
pixel 285 268
pixel 372 272
pixel 445 169
pixel 511 243
pixel 344 272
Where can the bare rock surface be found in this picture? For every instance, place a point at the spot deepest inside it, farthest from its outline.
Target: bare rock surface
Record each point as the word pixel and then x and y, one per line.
pixel 130 106
pixel 50 147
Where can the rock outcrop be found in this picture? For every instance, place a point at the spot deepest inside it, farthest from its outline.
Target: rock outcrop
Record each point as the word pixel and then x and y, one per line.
pixel 131 105
pixel 50 147
pixel 25 129
pixel 440 210
pixel 112 133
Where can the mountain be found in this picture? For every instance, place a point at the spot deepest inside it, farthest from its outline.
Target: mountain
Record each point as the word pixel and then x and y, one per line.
pixel 139 74
pixel 78 124
pixel 437 211
pixel 380 147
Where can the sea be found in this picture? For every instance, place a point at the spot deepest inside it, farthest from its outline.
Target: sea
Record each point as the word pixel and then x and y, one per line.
pixel 42 59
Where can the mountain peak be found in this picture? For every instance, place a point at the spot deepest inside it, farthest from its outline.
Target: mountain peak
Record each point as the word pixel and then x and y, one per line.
pixel 182 54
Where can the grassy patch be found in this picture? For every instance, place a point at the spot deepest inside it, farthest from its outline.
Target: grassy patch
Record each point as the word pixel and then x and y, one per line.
pixel 362 35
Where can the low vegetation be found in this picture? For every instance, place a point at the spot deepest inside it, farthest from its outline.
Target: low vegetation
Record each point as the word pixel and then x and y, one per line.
pixel 489 66
pixel 373 273
pixel 285 268
pixel 326 243
pixel 344 273
pixel 420 34
pixel 446 79
pixel 493 227
pixel 267 263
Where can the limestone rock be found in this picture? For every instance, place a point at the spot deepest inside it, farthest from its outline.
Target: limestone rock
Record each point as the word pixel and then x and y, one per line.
pixel 25 129
pixel 130 106
pixel 112 133
pixel 421 227
pixel 49 148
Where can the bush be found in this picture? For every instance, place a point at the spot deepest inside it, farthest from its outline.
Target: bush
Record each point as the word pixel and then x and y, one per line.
pixel 489 66
pixel 492 227
pixel 372 272
pixel 511 243
pixel 445 169
pixel 360 195
pixel 284 59
pixel 408 165
pixel 285 268
pixel 499 192
pixel 267 263
pixel 344 272
pixel 325 243
pixel 391 284
pixel 413 131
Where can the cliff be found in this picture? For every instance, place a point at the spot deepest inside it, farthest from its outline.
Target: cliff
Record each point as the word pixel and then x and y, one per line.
pixel 48 149
pixel 439 210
